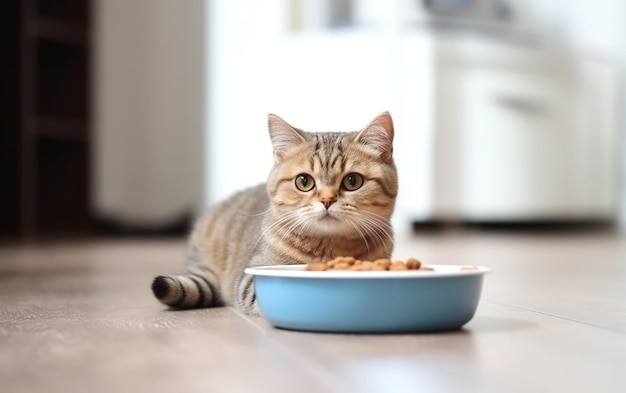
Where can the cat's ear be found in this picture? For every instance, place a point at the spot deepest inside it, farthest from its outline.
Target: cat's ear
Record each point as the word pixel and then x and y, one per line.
pixel 379 135
pixel 284 137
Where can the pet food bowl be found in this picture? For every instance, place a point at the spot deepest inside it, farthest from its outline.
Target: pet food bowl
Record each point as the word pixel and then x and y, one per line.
pixel 444 298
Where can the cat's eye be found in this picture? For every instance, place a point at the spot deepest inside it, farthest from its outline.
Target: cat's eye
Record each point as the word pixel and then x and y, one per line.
pixel 305 182
pixel 352 181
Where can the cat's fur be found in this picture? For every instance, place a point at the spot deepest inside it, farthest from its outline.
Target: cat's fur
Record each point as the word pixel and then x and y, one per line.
pixel 276 223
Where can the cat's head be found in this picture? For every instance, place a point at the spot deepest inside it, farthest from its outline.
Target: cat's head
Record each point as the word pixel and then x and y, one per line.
pixel 333 183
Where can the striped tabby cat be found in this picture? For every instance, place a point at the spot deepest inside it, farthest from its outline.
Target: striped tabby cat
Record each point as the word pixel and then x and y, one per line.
pixel 328 194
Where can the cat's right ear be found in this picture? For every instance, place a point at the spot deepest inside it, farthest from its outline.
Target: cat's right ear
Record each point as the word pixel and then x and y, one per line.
pixel 284 137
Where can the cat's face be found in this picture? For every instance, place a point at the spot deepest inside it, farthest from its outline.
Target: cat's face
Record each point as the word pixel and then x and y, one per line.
pixel 333 183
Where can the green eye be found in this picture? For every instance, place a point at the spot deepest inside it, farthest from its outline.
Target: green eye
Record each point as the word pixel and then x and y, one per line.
pixel 305 182
pixel 352 182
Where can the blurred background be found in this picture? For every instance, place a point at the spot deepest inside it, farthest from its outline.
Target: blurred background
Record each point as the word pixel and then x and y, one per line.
pixel 126 117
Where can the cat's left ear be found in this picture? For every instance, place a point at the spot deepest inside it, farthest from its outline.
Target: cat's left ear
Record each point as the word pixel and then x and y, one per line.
pixel 379 135
pixel 284 137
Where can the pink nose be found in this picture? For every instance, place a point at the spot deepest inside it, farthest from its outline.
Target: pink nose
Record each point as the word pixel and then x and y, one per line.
pixel 328 201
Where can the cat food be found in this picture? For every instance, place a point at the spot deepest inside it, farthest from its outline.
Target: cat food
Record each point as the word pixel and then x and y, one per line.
pixel 351 263
pixel 469 268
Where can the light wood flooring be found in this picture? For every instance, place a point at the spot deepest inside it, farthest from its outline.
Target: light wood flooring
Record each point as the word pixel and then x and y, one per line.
pixel 80 317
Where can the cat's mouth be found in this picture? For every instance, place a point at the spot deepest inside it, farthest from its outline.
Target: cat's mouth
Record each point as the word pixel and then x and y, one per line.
pixel 328 217
pixel 330 222
pixel 327 214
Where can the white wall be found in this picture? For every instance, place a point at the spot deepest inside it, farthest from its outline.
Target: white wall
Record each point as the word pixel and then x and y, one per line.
pixel 239 33
pixel 148 108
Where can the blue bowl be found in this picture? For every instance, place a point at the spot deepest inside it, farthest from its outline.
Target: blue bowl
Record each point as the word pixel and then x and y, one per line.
pixel 291 297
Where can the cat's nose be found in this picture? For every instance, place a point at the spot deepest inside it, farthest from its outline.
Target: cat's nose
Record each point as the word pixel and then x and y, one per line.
pixel 328 201
pixel 327 197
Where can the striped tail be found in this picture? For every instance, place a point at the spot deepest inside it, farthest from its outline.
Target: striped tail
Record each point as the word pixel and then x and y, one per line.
pixel 195 289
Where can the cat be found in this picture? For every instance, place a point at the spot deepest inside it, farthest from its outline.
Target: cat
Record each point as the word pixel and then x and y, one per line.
pixel 328 194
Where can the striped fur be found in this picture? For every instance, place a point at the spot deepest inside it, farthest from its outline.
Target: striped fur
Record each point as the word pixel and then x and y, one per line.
pixel 276 223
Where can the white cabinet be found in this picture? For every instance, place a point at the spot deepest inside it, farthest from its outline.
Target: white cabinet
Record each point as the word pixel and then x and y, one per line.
pixel 516 140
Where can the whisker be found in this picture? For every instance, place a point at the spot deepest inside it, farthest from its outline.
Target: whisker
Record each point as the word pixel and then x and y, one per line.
pixel 287 224
pixel 375 231
pixel 372 226
pixel 255 214
pixel 279 223
pixel 359 231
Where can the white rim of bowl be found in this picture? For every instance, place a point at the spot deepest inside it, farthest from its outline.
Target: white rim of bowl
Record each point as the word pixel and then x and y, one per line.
pixel 299 271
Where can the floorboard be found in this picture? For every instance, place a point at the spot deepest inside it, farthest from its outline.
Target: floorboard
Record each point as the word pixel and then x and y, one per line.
pixel 80 317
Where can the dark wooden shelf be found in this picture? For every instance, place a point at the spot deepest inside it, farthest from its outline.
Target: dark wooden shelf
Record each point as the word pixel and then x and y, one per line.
pixel 62 80
pixel 74 12
pixel 61 128
pixel 44 118
pixel 61 32
pixel 63 197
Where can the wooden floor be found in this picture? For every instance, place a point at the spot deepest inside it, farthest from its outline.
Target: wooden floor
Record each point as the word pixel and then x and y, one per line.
pixel 79 317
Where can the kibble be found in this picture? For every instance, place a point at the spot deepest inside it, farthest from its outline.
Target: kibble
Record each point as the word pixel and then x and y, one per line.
pixel 353 264
pixel 469 268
